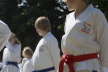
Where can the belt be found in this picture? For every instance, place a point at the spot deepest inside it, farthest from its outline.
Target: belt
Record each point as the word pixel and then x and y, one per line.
pixel 12 63
pixel 45 70
pixel 71 59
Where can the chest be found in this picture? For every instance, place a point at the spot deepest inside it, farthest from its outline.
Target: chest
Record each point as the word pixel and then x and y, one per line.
pixel 83 28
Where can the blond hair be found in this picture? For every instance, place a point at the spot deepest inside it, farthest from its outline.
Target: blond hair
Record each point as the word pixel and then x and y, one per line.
pixel 43 23
pixel 27 52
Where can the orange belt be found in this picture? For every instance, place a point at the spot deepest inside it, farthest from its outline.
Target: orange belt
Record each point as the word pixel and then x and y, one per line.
pixel 70 60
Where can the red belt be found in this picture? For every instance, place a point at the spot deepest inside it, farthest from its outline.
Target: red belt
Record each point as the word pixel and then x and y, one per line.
pixel 70 60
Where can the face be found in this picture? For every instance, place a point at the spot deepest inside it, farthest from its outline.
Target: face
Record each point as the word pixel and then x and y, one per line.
pixel 73 4
pixel 13 39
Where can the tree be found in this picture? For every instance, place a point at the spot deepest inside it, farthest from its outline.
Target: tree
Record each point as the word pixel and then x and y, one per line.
pixel 22 22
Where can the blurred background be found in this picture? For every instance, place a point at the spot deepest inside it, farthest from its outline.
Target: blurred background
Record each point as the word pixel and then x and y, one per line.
pixel 20 15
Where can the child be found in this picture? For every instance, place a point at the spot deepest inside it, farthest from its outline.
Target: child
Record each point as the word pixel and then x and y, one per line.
pixel 12 55
pixel 27 54
pixel 46 56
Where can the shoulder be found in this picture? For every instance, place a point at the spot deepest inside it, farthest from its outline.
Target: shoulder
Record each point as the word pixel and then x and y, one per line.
pixel 5 49
pixel 95 15
pixel 97 12
pixel 50 38
pixel 28 62
pixel 24 59
pixel 4 27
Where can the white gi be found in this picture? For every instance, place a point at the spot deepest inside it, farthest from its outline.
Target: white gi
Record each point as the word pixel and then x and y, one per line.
pixel 12 53
pixel 22 64
pixel 47 54
pixel 4 34
pixel 27 66
pixel 1 65
pixel 88 33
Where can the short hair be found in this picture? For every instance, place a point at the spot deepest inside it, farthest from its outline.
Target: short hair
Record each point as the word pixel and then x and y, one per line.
pixel 27 52
pixel 43 23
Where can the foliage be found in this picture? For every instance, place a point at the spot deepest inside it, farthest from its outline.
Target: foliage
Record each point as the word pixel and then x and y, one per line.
pixel 21 20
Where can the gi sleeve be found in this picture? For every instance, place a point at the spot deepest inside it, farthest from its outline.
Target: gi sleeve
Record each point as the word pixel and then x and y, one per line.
pixel 54 52
pixel 18 53
pixel 65 43
pixel 4 34
pixel 102 37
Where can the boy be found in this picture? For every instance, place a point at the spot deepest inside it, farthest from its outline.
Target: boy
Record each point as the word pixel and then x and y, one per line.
pixel 26 65
pixel 46 56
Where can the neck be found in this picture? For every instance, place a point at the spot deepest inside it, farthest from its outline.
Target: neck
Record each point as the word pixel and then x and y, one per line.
pixel 80 9
pixel 44 33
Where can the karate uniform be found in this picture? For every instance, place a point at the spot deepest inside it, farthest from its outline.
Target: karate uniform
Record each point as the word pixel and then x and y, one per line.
pixel 87 34
pixel 28 66
pixel 1 65
pixel 11 57
pixel 47 54
pixel 24 64
pixel 4 34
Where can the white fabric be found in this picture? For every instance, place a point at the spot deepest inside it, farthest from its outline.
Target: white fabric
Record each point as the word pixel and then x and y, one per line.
pixel 1 65
pixel 11 53
pixel 9 68
pixel 4 34
pixel 105 69
pixel 28 66
pixel 47 53
pixel 86 34
pixel 23 63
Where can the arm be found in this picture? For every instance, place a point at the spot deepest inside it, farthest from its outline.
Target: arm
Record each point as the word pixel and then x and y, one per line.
pixel 55 53
pixel 102 38
pixel 66 44
pixel 4 34
pixel 19 53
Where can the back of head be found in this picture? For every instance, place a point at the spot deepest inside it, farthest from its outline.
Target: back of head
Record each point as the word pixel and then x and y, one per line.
pixel 43 23
pixel 4 34
pixel 27 52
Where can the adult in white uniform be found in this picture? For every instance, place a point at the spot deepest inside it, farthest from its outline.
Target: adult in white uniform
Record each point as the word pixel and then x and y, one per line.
pixel 46 56
pixel 4 34
pixel 86 32
pixel 12 55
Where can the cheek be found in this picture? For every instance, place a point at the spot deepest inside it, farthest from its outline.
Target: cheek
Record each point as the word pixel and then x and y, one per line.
pixel 70 3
